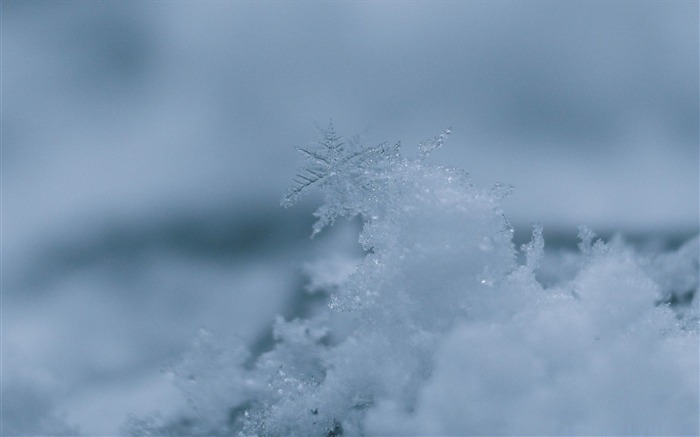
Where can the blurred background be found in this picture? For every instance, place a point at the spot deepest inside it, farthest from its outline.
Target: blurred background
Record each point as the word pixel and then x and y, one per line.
pixel 146 146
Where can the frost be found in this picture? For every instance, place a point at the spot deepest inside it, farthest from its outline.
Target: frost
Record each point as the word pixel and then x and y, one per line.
pixel 352 178
pixel 586 235
pixel 426 148
pixel 439 330
pixel 534 250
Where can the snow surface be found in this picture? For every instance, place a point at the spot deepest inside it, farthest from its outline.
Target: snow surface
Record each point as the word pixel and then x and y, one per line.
pixel 438 330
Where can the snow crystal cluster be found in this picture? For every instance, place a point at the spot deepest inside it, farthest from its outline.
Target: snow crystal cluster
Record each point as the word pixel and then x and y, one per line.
pixel 439 330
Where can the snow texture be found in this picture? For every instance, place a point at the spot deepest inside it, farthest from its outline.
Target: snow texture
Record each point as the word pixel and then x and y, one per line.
pixel 439 330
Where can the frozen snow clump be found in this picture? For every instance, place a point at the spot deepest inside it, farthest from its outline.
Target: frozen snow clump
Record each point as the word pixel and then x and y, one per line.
pixel 439 330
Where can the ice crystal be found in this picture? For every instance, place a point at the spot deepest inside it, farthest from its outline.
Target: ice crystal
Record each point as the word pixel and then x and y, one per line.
pixel 350 176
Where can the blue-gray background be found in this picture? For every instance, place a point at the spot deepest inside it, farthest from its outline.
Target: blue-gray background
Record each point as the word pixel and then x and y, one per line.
pixel 146 145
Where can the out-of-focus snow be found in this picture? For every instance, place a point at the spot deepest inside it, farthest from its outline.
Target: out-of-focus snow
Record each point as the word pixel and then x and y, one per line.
pixel 120 109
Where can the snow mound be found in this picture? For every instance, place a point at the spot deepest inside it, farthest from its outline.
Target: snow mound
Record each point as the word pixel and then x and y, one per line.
pixel 439 331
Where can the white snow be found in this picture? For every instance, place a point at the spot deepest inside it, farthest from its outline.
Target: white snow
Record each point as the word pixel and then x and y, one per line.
pixel 443 333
